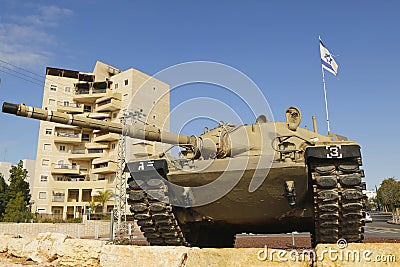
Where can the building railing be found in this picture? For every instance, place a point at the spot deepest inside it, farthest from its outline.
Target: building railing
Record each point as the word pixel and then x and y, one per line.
pixel 65 166
pixel 75 179
pixel 87 91
pixel 91 151
pixel 82 92
pixel 58 198
pixel 98 91
pixel 67 104
pixel 70 135
pixel 78 151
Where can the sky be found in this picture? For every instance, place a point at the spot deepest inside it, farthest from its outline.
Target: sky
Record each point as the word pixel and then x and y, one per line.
pixel 274 43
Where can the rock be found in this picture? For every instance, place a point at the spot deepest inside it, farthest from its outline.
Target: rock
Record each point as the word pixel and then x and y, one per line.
pixel 242 257
pixel 44 247
pixel 121 256
pixel 4 240
pixel 79 252
pixel 358 254
pixel 16 247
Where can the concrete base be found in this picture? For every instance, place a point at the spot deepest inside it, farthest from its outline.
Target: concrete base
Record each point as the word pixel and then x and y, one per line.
pixel 59 250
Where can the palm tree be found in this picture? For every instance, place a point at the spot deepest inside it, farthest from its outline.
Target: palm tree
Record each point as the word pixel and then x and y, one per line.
pixel 92 205
pixel 103 197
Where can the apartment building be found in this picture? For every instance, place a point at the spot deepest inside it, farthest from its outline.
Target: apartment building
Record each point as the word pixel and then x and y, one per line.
pixel 74 164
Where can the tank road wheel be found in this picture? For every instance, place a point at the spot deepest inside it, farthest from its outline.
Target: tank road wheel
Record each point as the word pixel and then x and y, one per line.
pixel 338 201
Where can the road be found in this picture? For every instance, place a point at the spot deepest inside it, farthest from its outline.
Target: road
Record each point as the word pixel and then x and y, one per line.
pixel 379 228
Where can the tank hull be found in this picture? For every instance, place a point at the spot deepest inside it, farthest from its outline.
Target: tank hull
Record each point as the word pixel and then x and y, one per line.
pixel 265 210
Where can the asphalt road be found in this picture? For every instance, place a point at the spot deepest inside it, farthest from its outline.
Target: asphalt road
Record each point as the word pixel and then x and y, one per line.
pixel 379 228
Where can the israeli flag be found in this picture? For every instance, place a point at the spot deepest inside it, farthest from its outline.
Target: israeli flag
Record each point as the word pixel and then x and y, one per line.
pixel 327 60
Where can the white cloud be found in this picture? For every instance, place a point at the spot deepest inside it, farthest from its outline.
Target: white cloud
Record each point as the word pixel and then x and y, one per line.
pixel 25 40
pixel 47 16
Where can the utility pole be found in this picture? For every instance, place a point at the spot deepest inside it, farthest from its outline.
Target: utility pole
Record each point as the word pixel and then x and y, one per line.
pixel 121 179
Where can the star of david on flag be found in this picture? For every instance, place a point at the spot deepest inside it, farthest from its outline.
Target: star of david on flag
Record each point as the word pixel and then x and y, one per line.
pixel 327 60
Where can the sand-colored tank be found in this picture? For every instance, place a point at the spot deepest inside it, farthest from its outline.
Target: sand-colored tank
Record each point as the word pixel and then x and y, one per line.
pixel 267 177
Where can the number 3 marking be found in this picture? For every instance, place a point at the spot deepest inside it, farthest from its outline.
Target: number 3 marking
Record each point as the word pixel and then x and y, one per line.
pixel 334 152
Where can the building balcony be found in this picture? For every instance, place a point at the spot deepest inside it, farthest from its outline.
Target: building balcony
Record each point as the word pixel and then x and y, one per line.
pixel 69 138
pixel 110 102
pixel 89 96
pixel 84 154
pixel 103 168
pixel 89 92
pixel 109 137
pixel 96 146
pixel 69 107
pixel 108 105
pixel 64 169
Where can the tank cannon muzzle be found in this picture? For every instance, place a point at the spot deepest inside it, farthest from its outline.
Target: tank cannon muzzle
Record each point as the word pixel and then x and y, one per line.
pixel 10 108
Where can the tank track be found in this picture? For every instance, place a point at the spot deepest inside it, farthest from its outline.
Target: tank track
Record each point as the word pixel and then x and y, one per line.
pixel 155 218
pixel 338 201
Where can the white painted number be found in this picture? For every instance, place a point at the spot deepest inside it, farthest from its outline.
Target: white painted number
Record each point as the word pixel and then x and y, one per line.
pixel 141 166
pixel 334 152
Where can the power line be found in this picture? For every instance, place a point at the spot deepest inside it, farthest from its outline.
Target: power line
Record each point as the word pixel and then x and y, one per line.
pixel 33 78
pixel 42 81
pixel 22 78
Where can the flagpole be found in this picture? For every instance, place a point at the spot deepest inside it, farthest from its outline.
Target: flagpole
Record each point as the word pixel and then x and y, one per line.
pixel 326 101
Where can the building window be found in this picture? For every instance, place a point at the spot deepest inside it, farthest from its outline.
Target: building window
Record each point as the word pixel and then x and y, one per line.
pixel 41 210
pixel 113 146
pixel 42 195
pixel 116 86
pixel 52 102
pixel 154 88
pixel 126 82
pixel 114 115
pixel 59 178
pixel 154 116
pixel 47 147
pixel 125 97
pixel 85 137
pixel 87 108
pixel 45 162
pixel 57 211
pixel 48 131
pixel 53 87
pixel 67 89
pixel 62 148
pixel 66 103
pixel 43 178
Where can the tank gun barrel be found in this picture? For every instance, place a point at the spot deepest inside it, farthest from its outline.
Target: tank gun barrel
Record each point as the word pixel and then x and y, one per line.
pixel 145 132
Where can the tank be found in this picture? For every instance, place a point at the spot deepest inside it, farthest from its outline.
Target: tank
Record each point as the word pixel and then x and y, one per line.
pixel 261 178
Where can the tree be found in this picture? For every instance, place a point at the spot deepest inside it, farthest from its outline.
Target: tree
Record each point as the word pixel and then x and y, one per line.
pixel 92 206
pixel 103 197
pixel 17 209
pixel 3 196
pixel 18 182
pixel 388 194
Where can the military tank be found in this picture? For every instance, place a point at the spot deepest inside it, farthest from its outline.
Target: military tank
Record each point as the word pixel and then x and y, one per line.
pixel 275 177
